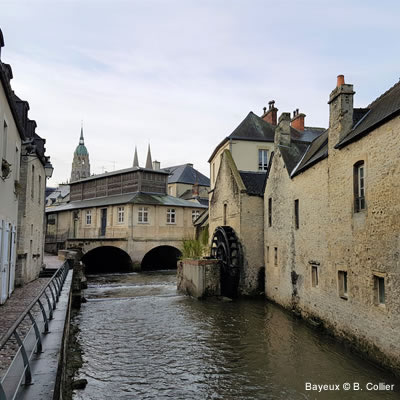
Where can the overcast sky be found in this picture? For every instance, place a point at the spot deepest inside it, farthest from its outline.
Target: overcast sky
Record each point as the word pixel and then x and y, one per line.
pixel 182 74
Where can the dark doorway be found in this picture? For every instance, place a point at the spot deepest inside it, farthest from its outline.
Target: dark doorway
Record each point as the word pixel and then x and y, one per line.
pixel 103 222
pixel 107 260
pixel 161 257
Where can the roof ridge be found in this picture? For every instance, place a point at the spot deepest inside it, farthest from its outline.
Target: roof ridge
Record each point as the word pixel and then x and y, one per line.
pixel 383 94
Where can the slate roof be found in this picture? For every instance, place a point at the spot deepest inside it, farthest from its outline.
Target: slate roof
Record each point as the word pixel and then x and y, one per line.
pixel 317 151
pixel 293 154
pixel 60 191
pixel 185 173
pixel 380 111
pixel 202 219
pixel 5 76
pixel 129 198
pixel 117 172
pixel 254 182
pixel 254 128
pixel 188 195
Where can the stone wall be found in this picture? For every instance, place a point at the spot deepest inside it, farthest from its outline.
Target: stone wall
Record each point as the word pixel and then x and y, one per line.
pixel 244 214
pixel 332 237
pixel 199 278
pixel 30 221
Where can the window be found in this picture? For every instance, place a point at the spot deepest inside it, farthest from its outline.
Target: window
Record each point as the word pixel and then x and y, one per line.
pixel 270 211
pixel 16 163
pixel 225 211
pixel 171 216
pixel 39 188
pixel 195 215
pixel 379 289
pixel 314 276
pixel 296 214
pixel 121 215
pixel 267 254
pixel 89 217
pixel 342 280
pixel 359 186
pixel 276 256
pixel 4 149
pixel 33 182
pixel 143 216
pixel 262 160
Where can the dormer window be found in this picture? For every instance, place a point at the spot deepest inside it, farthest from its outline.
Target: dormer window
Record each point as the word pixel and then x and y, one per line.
pixel 359 186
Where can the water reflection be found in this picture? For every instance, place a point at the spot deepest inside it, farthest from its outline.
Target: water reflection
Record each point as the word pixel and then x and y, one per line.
pixel 143 341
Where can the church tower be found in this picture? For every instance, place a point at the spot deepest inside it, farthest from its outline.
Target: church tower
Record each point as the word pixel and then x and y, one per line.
pixel 80 164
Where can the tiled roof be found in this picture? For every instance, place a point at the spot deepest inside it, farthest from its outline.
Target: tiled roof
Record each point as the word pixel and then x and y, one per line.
pixel 130 198
pixel 185 173
pixel 380 110
pixel 254 182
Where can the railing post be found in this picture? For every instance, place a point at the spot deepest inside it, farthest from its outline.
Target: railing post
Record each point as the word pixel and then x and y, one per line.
pixel 28 375
pixel 37 334
pixel 49 304
pixel 55 291
pixel 45 319
pixel 53 296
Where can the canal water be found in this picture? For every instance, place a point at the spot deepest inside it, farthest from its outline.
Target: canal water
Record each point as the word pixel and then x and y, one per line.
pixel 142 340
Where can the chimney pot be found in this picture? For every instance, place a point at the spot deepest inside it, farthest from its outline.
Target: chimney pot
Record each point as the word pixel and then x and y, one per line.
pixel 270 116
pixel 340 80
pixel 265 109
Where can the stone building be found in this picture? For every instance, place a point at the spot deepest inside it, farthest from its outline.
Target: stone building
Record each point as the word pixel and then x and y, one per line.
pixel 11 136
pixel 188 183
pixel 35 168
pixel 80 164
pixel 184 181
pixel 239 168
pixel 332 223
pixel 128 210
pixel 22 189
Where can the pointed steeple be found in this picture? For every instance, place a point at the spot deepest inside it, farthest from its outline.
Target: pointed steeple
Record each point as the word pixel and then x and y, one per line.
pixel 135 159
pixel 149 162
pixel 81 141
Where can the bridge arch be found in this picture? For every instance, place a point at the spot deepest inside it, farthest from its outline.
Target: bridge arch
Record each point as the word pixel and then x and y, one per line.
pixel 107 259
pixel 161 257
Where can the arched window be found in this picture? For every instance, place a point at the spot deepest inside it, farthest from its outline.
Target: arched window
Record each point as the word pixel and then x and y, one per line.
pixel 359 186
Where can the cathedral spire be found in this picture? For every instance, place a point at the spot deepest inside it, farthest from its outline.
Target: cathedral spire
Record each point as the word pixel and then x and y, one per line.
pixel 135 159
pixel 81 140
pixel 149 162
pixel 80 163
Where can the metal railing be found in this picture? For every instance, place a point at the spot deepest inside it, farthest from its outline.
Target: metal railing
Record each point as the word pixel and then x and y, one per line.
pixel 24 338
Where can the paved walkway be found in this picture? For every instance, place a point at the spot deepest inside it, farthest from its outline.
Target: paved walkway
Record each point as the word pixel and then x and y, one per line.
pixel 16 304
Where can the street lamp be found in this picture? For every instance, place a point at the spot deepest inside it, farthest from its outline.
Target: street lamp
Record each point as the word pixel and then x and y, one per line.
pixel 48 168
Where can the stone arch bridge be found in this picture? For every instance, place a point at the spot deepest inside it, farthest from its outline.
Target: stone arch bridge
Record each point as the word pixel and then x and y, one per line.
pixel 123 255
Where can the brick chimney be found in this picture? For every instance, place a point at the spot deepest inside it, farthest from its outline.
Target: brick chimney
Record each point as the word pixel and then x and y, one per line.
pixel 271 114
pixel 340 111
pixel 298 120
pixel 282 131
